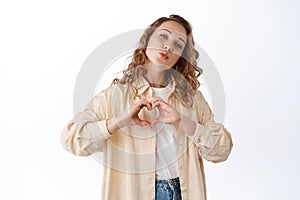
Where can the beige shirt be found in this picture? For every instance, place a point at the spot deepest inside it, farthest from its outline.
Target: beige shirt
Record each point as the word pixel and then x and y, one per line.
pixel 129 153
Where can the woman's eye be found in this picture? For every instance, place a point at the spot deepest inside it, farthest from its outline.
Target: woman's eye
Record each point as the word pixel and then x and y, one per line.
pixel 179 46
pixel 163 36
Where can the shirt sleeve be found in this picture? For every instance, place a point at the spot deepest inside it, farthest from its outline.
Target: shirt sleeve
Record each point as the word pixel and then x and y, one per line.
pixel 86 132
pixel 213 140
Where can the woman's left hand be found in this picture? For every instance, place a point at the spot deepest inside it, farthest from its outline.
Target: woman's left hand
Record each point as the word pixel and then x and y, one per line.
pixel 167 114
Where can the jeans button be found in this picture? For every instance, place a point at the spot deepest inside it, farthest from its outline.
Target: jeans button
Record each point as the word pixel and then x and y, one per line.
pixel 172 182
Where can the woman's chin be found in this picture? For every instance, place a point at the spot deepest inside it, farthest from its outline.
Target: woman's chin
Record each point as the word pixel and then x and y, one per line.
pixel 162 64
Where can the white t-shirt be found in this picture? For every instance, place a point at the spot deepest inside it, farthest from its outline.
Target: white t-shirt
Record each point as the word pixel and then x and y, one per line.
pixel 166 156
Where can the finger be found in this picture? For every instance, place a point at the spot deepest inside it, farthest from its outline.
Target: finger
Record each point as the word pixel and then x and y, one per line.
pixel 144 103
pixel 155 104
pixel 155 121
pixel 143 123
pixel 149 106
pixel 159 104
pixel 156 99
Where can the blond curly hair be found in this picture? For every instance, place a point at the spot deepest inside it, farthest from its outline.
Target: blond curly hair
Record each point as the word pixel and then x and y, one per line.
pixel 186 79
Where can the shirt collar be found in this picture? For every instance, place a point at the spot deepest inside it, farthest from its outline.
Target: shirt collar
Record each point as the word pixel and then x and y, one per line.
pixel 142 85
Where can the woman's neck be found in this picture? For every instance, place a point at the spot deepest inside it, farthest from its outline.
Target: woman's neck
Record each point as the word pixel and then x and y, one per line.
pixel 155 78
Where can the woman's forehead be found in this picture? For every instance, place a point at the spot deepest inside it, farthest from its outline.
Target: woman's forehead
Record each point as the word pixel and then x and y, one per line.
pixel 173 27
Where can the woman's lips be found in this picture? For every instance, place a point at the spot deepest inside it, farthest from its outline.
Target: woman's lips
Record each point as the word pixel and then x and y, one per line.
pixel 164 55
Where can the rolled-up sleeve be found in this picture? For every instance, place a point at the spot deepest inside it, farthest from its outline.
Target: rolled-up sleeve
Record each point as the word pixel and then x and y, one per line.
pixel 213 140
pixel 86 132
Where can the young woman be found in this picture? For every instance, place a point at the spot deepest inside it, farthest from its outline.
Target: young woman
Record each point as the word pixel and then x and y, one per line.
pixel 153 126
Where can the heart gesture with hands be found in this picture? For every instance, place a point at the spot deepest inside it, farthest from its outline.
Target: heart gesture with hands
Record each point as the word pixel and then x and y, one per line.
pixel 167 114
pixel 131 116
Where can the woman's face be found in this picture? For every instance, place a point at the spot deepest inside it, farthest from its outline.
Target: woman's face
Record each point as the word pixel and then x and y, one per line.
pixel 166 44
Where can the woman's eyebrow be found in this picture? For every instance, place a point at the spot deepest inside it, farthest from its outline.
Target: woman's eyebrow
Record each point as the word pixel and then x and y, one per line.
pixel 171 34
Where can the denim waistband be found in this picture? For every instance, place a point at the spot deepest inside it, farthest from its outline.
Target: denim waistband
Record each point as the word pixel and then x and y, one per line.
pixel 172 181
pixel 168 189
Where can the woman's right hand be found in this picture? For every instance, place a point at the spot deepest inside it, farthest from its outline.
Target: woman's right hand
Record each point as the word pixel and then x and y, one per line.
pixel 129 117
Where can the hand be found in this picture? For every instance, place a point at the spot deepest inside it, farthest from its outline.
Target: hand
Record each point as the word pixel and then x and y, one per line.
pixel 131 117
pixel 167 114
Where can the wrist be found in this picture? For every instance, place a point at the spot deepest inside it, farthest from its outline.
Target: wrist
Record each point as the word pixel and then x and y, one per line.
pixel 119 121
pixel 112 125
pixel 179 121
pixel 186 124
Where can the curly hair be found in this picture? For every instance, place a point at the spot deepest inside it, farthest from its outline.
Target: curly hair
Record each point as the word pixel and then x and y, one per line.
pixel 185 72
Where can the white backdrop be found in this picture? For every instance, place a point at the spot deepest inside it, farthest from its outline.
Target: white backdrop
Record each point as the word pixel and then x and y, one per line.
pixel 254 45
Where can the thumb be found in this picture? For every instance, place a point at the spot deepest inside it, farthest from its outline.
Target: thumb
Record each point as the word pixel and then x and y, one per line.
pixel 143 122
pixel 155 121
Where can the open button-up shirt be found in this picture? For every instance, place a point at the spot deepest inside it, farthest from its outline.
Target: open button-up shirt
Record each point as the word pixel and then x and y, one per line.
pixel 129 153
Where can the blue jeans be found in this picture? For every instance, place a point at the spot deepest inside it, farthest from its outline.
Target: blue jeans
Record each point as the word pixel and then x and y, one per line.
pixel 167 189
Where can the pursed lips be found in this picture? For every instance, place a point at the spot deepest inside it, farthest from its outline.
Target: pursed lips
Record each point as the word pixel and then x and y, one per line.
pixel 164 55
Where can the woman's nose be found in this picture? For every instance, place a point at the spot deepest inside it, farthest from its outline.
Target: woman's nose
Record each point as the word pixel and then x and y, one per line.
pixel 167 47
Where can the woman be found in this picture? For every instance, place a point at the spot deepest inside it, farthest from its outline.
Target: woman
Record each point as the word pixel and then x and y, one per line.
pixel 153 125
